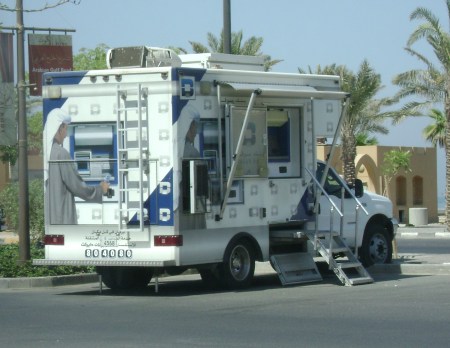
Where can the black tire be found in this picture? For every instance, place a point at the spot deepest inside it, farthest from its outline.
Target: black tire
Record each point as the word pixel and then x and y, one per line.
pixel 376 246
pixel 238 268
pixel 210 277
pixel 125 278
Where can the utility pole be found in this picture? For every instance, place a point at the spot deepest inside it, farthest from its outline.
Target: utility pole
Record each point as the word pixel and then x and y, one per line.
pixel 227 26
pixel 24 205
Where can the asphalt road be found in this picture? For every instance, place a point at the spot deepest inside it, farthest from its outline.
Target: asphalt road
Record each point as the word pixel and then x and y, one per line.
pixel 395 311
pixel 398 310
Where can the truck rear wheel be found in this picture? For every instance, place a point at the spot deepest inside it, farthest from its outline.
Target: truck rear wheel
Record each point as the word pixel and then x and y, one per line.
pixel 238 268
pixel 125 278
pixel 210 278
pixel 376 246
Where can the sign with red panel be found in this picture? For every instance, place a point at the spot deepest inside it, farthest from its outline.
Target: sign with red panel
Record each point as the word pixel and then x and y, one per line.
pixel 48 53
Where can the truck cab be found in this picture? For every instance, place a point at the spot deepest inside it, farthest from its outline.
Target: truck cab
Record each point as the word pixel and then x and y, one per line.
pixel 368 210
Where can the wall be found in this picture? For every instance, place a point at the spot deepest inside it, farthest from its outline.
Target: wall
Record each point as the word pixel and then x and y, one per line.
pixel 35 170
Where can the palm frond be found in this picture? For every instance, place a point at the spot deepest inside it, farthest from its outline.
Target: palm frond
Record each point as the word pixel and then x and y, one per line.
pixel 236 42
pixel 197 47
pixel 213 42
pixel 431 26
pixel 422 31
pixel 252 46
pixel 418 56
pixel 436 131
pixel 409 109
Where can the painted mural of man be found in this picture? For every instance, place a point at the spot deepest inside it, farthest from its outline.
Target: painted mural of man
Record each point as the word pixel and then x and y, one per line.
pixel 62 180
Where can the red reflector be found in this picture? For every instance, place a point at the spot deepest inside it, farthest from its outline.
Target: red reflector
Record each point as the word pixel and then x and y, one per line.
pixel 168 240
pixel 54 239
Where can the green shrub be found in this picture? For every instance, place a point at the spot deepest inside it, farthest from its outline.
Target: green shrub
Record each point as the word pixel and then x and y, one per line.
pixel 37 225
pixel 9 254
pixel 9 267
pixel 9 201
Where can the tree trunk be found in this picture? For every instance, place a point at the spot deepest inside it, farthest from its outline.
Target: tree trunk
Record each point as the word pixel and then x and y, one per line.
pixel 348 156
pixel 447 163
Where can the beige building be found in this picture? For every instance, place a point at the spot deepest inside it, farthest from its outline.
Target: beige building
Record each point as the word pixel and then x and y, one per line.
pixel 416 188
pixel 35 170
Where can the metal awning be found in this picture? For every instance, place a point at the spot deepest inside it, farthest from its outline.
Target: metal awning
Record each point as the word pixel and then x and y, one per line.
pixel 269 90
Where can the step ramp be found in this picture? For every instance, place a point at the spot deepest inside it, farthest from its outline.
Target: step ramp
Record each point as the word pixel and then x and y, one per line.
pixel 295 268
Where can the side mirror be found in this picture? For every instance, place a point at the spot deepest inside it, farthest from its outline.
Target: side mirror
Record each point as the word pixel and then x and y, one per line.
pixel 359 188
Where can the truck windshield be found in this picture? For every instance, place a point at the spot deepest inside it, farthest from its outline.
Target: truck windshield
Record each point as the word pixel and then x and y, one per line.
pixel 333 182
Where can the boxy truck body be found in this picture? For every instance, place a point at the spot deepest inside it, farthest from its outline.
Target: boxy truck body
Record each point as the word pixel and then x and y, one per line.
pixel 209 167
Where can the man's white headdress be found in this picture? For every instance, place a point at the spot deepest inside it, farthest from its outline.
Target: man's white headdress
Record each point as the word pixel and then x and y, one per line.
pixel 55 118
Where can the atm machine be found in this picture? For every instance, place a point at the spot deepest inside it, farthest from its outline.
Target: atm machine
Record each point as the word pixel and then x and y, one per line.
pixel 93 146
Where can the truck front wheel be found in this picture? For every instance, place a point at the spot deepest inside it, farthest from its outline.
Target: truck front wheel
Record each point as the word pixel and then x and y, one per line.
pixel 238 268
pixel 376 246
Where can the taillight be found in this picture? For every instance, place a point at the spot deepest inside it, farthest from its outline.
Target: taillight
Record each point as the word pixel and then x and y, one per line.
pixel 54 239
pixel 168 240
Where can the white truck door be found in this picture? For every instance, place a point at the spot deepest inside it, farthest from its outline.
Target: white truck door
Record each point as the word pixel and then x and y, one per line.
pixel 333 187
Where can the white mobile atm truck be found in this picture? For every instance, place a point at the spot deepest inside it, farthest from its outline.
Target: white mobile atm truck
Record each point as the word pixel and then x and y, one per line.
pixel 212 165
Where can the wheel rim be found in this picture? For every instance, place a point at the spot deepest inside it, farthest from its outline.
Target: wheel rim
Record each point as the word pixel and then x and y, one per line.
pixel 378 248
pixel 240 262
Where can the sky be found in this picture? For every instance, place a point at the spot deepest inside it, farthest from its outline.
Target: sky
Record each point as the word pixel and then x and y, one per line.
pixel 301 33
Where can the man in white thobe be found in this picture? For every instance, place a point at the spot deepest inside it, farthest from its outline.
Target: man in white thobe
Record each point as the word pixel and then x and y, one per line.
pixel 63 183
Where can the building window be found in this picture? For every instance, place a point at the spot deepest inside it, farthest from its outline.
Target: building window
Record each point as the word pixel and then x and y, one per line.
pixel 417 190
pixel 401 190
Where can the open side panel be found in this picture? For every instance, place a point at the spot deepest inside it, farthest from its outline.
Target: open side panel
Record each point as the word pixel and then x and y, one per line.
pixel 195 186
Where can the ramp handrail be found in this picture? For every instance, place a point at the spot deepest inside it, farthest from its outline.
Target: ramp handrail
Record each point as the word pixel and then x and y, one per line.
pixel 358 205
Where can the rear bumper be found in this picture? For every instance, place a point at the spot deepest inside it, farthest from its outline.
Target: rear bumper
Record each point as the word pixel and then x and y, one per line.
pixel 44 262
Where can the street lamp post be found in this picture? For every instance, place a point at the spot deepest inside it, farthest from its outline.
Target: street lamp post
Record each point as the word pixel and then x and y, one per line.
pixel 24 218
pixel 227 26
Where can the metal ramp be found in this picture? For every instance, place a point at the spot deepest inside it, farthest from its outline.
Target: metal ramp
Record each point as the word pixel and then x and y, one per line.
pixel 330 243
pixel 348 268
pixel 132 157
pixel 295 268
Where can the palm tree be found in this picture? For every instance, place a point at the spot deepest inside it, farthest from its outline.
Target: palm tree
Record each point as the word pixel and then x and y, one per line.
pixel 364 114
pixel 432 84
pixel 251 47
pixel 364 139
pixel 435 132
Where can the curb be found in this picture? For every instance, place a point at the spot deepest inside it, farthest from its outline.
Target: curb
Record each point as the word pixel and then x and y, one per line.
pixel 43 282
pixel 411 269
pixel 422 235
